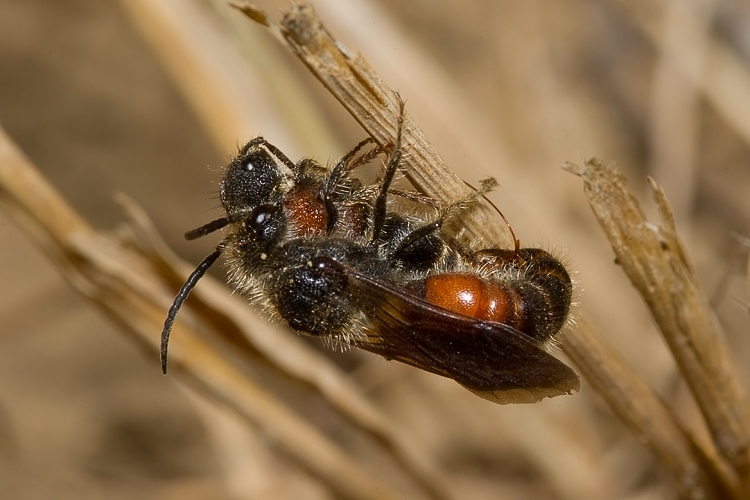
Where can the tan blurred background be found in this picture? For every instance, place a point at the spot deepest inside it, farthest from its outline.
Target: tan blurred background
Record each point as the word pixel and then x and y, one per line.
pixel 85 414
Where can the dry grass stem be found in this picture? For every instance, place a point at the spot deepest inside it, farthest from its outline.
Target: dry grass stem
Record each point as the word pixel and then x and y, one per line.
pixel 697 470
pixel 512 103
pixel 355 85
pixel 135 291
pixel 229 86
pixel 675 110
pixel 231 318
pixel 725 81
pixel 352 81
pixel 656 262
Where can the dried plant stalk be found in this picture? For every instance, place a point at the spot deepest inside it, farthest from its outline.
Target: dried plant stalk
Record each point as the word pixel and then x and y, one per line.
pixel 134 290
pixel 725 83
pixel 657 264
pixel 231 318
pixel 129 287
pixel 352 81
pixel 697 471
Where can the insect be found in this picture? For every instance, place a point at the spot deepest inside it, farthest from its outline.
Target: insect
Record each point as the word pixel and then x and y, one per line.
pixel 323 252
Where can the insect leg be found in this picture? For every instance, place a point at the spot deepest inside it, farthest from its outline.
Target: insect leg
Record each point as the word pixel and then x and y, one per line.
pixel 339 172
pixel 390 171
pixel 428 229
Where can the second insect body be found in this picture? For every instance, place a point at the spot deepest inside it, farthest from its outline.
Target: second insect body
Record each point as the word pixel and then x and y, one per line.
pixel 324 253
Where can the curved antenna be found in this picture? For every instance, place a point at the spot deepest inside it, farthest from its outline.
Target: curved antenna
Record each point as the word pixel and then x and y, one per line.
pixel 178 301
pixel 260 141
pixel 209 228
pixel 516 241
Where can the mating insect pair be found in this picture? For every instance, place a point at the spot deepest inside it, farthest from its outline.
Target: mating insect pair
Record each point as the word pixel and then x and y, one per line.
pixel 323 252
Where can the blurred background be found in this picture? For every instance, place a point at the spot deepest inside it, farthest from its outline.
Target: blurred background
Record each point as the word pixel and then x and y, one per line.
pixel 102 101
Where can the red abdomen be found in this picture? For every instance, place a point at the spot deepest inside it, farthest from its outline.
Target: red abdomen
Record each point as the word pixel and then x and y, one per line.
pixel 473 296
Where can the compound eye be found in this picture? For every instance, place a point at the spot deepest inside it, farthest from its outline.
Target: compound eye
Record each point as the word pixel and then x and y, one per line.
pixel 260 216
pixel 265 223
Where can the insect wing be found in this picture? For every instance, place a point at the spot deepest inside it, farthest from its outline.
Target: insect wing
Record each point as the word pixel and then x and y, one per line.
pixel 490 359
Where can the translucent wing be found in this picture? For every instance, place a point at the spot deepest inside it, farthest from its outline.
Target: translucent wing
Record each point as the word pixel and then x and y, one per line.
pixel 492 360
